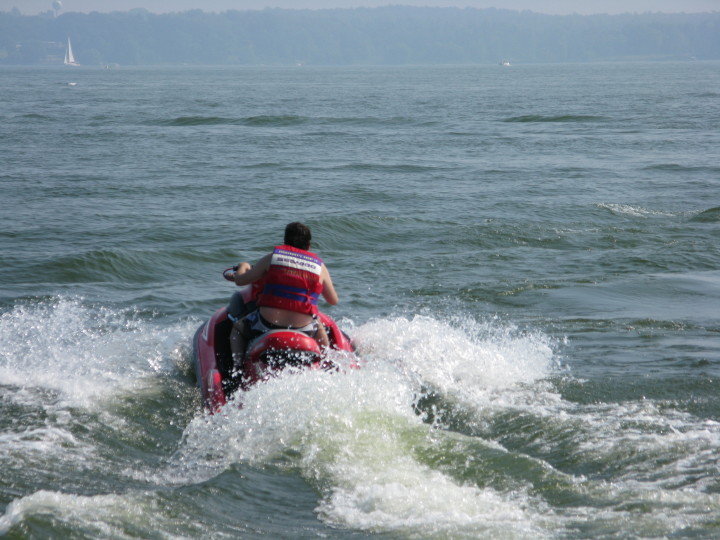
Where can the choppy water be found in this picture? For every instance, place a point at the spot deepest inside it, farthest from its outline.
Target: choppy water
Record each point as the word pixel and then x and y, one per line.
pixel 527 258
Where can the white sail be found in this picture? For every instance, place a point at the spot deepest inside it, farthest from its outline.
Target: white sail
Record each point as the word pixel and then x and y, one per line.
pixel 69 57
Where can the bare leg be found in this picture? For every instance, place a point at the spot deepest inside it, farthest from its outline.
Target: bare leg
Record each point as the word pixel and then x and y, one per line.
pixel 238 343
pixel 321 337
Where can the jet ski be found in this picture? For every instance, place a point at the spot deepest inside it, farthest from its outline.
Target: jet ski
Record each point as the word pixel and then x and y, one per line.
pixel 266 356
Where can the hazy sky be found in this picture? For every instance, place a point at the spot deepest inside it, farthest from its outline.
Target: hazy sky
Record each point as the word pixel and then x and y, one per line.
pixel 583 7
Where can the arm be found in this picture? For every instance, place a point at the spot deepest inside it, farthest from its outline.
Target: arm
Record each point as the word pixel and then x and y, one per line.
pixel 329 293
pixel 247 274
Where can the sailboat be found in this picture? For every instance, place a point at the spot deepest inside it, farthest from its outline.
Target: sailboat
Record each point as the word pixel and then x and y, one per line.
pixel 69 58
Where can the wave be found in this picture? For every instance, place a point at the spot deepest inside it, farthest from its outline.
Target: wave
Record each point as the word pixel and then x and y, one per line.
pixel 367 230
pixel 358 437
pixel 36 117
pixel 459 430
pixel 99 516
pixel 674 168
pixel 107 265
pixel 196 121
pixel 284 121
pixel 388 167
pixel 128 266
pixel 257 121
pixel 371 121
pixel 711 215
pixel 273 121
pixel 569 118
pixel 451 428
pixel 82 385
pixel 80 354
pixel 631 210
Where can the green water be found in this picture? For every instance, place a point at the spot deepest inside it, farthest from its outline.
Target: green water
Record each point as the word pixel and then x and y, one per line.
pixel 527 259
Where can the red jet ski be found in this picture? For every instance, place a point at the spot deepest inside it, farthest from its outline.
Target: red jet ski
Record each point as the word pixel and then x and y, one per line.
pixel 270 353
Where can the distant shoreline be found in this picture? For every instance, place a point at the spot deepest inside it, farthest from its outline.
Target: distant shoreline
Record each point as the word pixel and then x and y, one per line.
pixel 367 36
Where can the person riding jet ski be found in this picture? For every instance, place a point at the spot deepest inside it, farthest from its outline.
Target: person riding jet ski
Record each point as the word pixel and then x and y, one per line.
pixel 290 281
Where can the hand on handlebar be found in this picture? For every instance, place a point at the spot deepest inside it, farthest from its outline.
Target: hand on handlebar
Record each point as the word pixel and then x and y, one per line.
pixel 241 268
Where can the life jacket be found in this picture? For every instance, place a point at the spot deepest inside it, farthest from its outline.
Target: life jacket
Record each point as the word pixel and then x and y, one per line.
pixel 257 287
pixel 293 281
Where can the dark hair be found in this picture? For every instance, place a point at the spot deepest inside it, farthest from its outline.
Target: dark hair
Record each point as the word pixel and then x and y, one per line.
pixel 298 235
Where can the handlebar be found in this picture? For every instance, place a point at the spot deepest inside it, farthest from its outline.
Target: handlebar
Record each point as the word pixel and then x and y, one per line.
pixel 229 273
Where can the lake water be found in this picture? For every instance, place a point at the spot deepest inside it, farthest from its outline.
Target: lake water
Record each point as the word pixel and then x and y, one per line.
pixel 526 257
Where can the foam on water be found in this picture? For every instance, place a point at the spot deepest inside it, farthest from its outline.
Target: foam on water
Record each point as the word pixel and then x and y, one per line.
pixel 68 374
pixel 356 437
pixel 647 443
pixel 461 355
pixel 501 454
pixel 378 465
pixel 84 356
pixel 634 211
pixel 129 515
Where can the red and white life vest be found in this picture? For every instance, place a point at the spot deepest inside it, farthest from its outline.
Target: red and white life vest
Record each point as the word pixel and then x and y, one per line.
pixel 293 280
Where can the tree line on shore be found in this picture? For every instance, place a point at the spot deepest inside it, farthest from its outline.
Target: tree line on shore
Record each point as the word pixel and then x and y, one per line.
pixel 392 35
